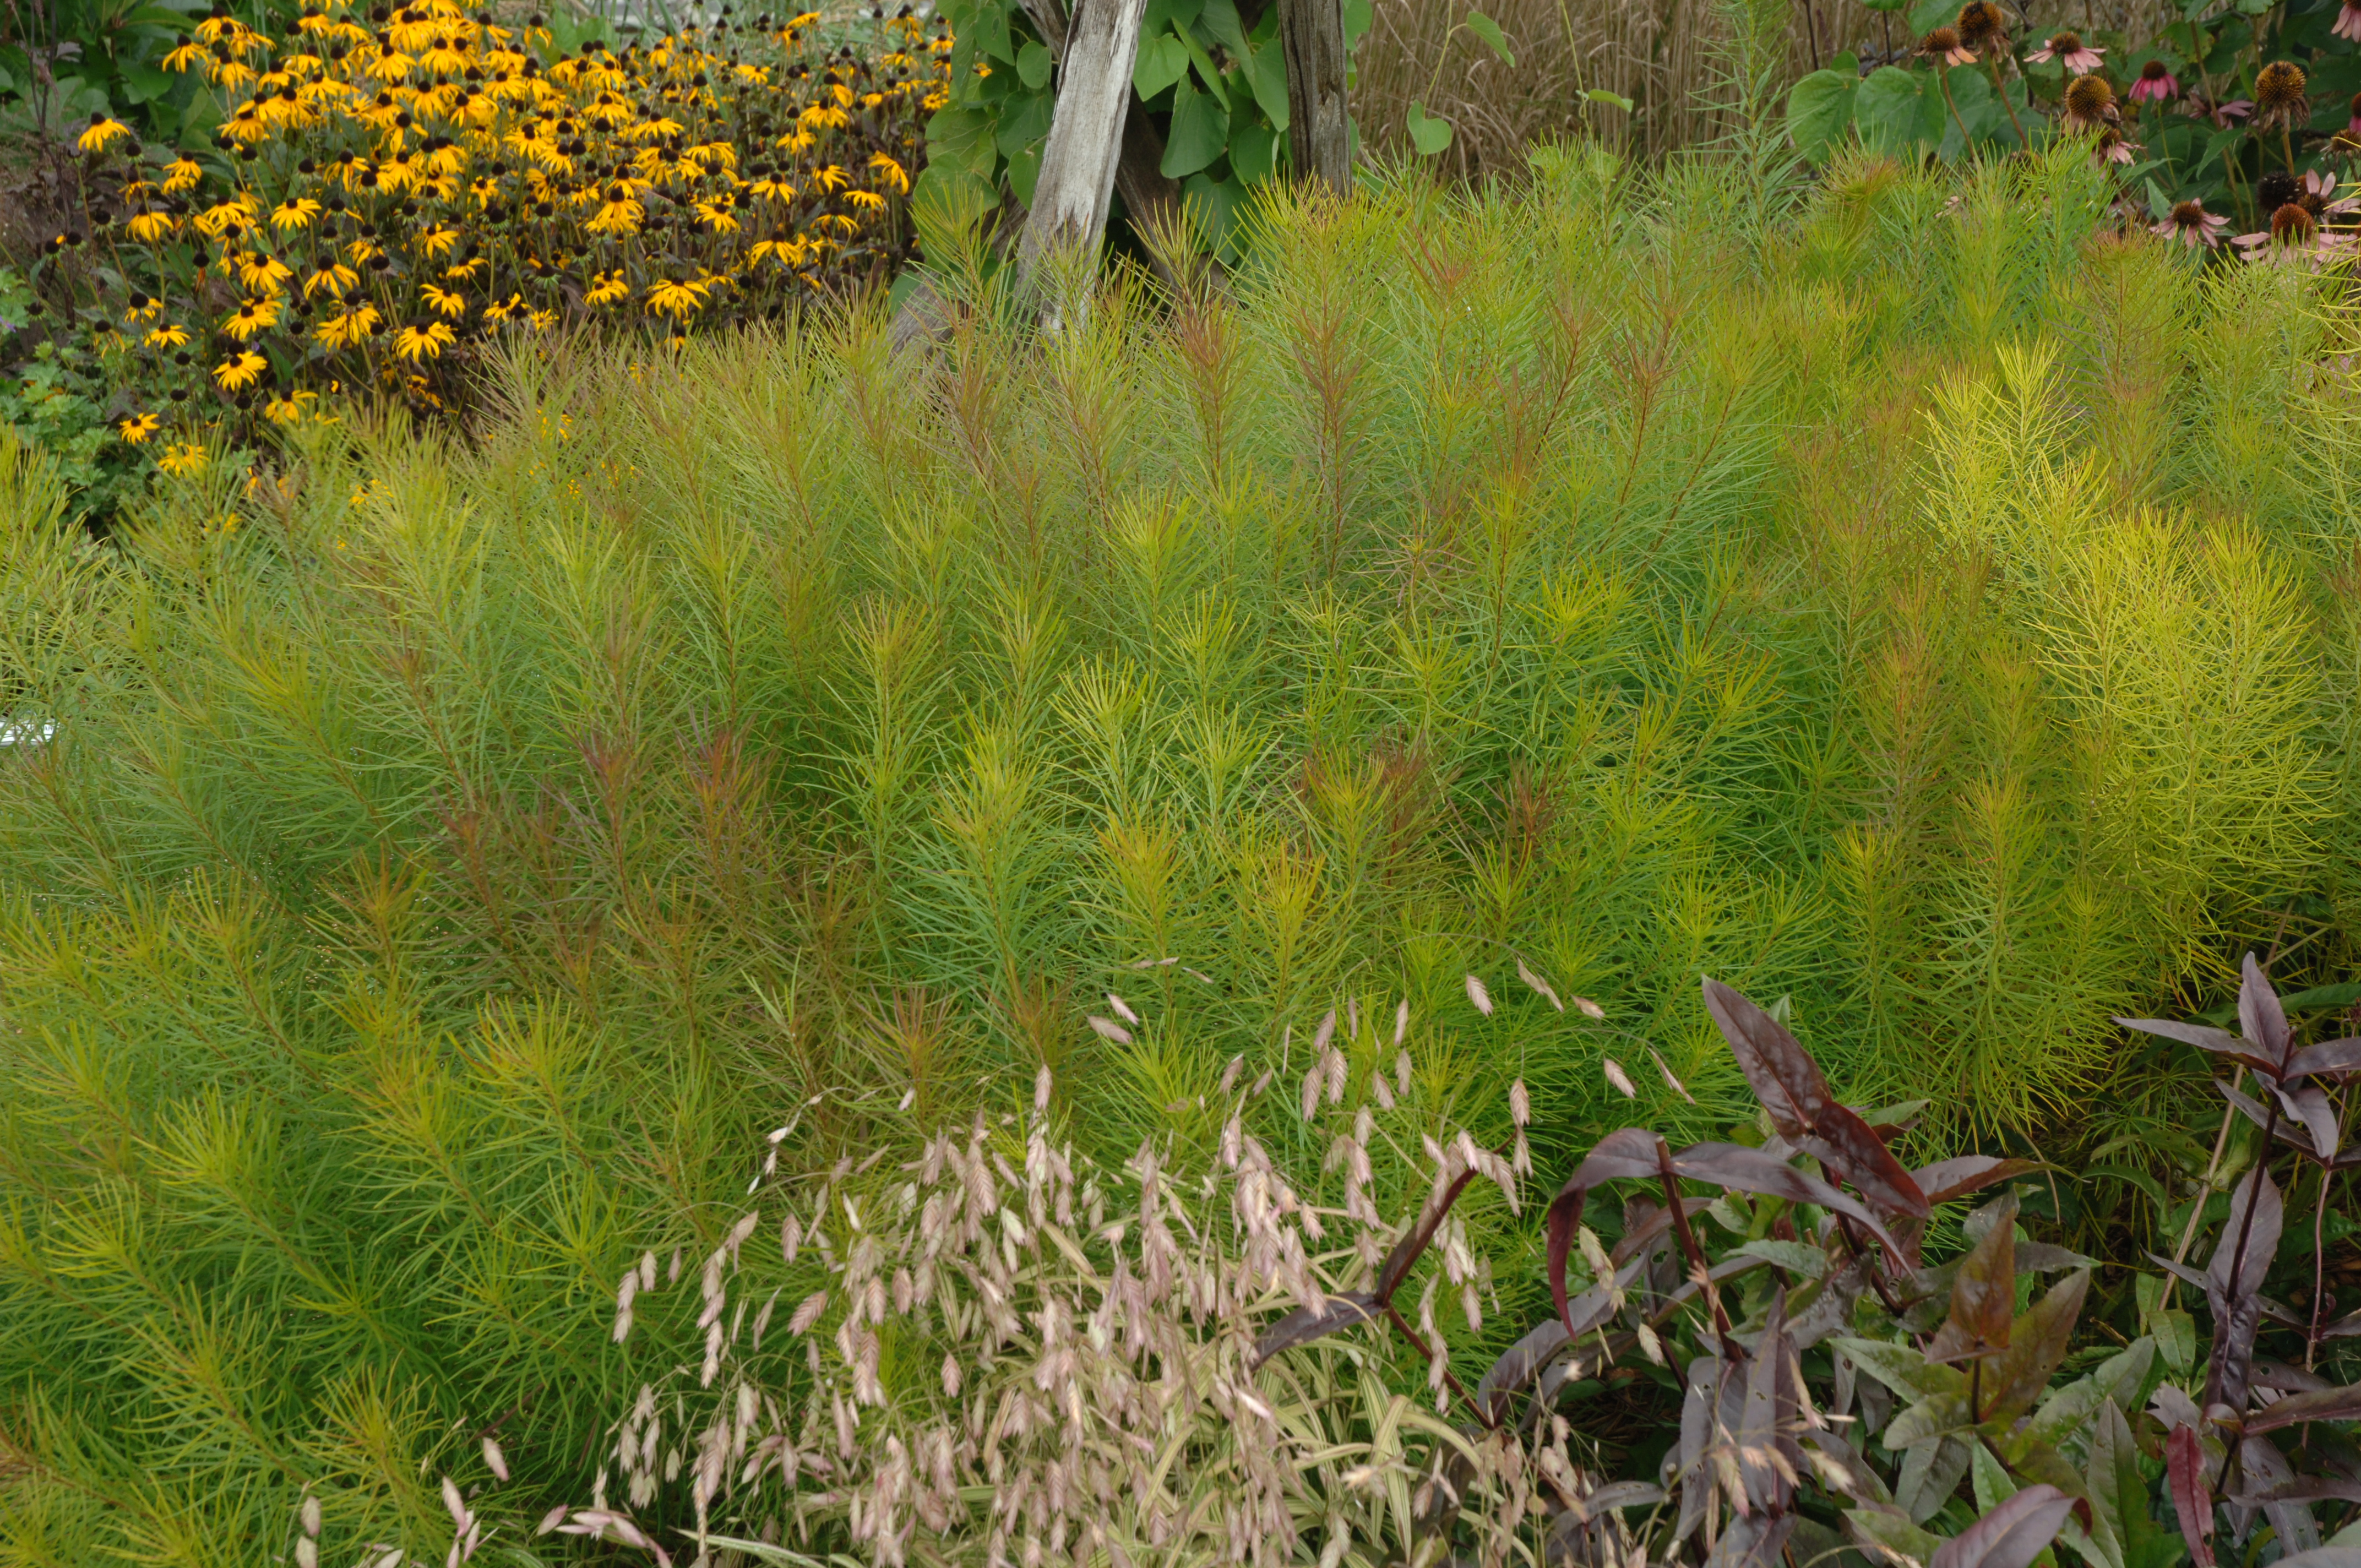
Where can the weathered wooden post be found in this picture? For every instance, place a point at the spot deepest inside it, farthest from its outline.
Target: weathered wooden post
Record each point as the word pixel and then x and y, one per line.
pixel 1078 162
pixel 1319 135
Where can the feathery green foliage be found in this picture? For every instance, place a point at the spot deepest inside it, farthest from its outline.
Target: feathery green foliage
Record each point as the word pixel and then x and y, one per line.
pixel 1912 600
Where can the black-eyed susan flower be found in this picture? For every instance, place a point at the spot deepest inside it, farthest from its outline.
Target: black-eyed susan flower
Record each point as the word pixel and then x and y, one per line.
pixel 240 372
pixel 676 298
pixel 605 288
pixel 424 340
pixel 103 130
pixel 182 458
pixel 295 212
pixel 444 301
pixel 167 337
pixel 348 329
pixel 331 277
pixel 250 317
pixel 138 428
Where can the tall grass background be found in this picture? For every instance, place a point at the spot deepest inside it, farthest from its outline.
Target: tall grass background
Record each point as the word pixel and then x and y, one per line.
pixel 449 861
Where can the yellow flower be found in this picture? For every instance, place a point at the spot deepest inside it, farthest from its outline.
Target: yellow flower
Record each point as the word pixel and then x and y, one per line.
pixel 295 214
pixel 235 375
pixel 465 270
pixel 773 188
pixel 183 457
pixel 103 130
pixel 449 301
pixel 184 175
pixel 333 276
pixel 263 274
pixel 867 198
pixel 894 175
pixel 168 338
pixel 138 428
pixel 618 213
pixel 289 409
pixel 438 240
pixel 348 329
pixel 718 215
pixel 829 176
pixel 676 298
pixel 250 317
pixel 149 227
pixel 426 342
pixel 608 288
pixel 188 56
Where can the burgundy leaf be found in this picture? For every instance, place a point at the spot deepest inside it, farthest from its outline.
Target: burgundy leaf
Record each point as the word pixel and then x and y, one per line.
pixel 2237 1306
pixel 2193 1498
pixel 1768 1426
pixel 1303 1325
pixel 1853 1152
pixel 2309 1105
pixel 1407 1251
pixel 2253 1111
pixel 1782 1074
pixel 2320 1557
pixel 2342 1328
pixel 1792 1088
pixel 1517 1366
pixel 2015 1532
pixel 2305 1489
pixel 1636 1238
pixel 1984 1292
pixel 2261 1017
pixel 1752 1170
pixel 2326 1405
pixel 2328 1057
pixel 1753 1541
pixel 1701 1409
pixel 2205 1037
pixel 1619 1156
pixel 1948 1178
pixel 2285 1379
pixel 2180 1271
pixel 2037 1343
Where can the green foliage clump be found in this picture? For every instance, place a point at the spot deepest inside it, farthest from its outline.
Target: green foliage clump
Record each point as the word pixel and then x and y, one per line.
pixel 443 866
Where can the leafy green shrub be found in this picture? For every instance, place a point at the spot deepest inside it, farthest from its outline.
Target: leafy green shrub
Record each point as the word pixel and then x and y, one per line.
pixel 62 61
pixel 444 866
pixel 2226 112
pixel 60 398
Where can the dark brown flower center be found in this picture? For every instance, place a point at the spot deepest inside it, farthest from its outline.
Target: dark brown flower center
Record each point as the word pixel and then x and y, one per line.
pixel 2066 43
pixel 2280 86
pixel 2293 224
pixel 2188 215
pixel 2154 70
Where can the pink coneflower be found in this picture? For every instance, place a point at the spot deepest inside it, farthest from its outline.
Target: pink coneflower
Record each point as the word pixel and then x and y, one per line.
pixel 2318 186
pixel 2069 50
pixel 2156 84
pixel 2348 22
pixel 2294 235
pixel 2190 224
pixel 1944 44
pixel 2111 147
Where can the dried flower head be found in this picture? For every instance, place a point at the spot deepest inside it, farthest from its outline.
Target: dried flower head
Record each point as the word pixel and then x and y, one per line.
pixel 1944 44
pixel 1980 23
pixel 2278 92
pixel 2090 103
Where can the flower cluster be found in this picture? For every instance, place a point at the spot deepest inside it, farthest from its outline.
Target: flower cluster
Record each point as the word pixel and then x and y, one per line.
pixel 390 189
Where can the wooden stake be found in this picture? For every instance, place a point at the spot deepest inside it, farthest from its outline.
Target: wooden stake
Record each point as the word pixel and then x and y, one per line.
pixel 1078 164
pixel 1319 134
pixel 1150 195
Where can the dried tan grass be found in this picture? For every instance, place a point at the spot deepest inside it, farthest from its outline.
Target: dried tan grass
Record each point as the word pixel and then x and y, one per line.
pixel 1662 55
